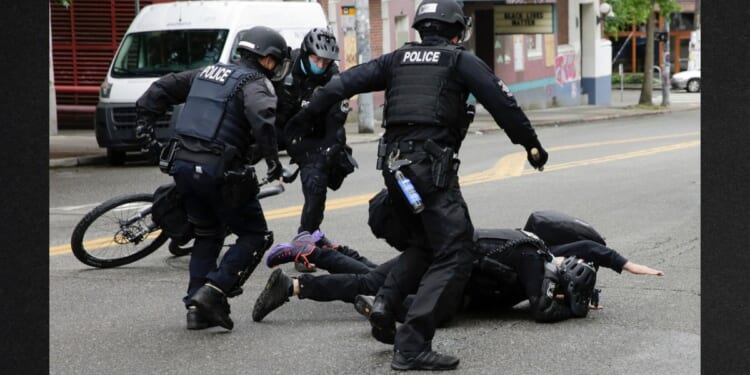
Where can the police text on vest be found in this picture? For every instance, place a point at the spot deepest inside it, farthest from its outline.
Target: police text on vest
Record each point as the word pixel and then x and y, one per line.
pixel 421 57
pixel 215 73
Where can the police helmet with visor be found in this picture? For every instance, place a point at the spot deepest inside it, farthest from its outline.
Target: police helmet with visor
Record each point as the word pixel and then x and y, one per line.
pixel 262 41
pixel 442 17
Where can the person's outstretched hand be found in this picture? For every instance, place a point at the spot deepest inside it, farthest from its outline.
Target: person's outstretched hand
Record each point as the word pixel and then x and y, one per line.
pixel 640 269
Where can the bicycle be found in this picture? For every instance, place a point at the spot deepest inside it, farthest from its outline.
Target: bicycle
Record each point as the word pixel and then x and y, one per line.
pixel 120 231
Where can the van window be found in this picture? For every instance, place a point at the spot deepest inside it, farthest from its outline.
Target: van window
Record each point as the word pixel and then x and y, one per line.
pixel 155 53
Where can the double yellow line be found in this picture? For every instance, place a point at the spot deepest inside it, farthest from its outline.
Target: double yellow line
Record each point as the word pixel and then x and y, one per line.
pixel 512 165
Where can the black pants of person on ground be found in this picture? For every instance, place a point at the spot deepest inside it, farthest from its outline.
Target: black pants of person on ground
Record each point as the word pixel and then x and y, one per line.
pixel 314 176
pixel 342 286
pixel 210 215
pixel 437 265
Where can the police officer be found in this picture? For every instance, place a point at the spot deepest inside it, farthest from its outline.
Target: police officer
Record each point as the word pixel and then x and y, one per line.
pixel 318 147
pixel 227 125
pixel 426 87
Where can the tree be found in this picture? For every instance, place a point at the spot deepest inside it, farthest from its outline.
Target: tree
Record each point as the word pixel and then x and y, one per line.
pixel 630 12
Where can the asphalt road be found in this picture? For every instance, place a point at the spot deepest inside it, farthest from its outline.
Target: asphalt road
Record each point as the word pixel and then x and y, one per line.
pixel 636 180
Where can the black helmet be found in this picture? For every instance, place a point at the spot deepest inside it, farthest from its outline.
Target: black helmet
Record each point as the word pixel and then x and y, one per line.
pixel 263 41
pixel 577 280
pixel 321 43
pixel 443 17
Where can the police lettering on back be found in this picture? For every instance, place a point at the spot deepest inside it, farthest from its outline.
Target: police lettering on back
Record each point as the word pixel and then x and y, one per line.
pixel 215 73
pixel 421 57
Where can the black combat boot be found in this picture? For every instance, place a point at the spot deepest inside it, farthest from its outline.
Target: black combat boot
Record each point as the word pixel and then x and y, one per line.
pixel 424 360
pixel 212 305
pixel 382 321
pixel 363 304
pixel 276 293
pixel 196 321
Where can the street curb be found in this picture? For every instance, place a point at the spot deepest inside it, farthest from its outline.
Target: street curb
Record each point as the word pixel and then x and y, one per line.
pixel 77 161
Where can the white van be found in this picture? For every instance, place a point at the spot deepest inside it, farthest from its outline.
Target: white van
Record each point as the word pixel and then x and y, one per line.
pixel 172 37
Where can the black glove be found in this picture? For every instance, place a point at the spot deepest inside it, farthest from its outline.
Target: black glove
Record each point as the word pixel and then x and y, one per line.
pixel 297 127
pixel 536 155
pixel 275 168
pixel 144 132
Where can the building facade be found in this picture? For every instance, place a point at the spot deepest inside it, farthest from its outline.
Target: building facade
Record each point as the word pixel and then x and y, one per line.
pixel 549 52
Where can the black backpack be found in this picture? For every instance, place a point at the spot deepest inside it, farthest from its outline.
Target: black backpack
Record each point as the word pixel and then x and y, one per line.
pixel 557 228
pixel 168 212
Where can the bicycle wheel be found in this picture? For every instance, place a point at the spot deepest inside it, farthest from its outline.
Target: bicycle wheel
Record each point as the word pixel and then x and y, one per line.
pixel 117 232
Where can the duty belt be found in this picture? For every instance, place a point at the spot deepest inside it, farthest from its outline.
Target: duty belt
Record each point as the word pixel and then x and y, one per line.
pixel 196 157
pixel 405 146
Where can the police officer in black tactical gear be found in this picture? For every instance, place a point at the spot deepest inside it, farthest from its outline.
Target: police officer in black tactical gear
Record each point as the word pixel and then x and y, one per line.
pixel 319 147
pixel 226 126
pixel 425 119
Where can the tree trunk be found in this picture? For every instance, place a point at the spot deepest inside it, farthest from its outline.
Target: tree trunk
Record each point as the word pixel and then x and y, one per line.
pixel 648 63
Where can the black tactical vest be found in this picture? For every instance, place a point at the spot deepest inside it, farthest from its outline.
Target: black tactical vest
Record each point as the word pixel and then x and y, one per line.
pixel 212 111
pixel 423 88
pixel 489 240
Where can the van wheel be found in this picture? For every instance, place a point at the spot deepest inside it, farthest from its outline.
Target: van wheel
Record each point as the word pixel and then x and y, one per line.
pixel 694 85
pixel 115 157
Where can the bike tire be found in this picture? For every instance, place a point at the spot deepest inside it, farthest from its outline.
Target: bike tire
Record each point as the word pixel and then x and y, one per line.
pixel 98 239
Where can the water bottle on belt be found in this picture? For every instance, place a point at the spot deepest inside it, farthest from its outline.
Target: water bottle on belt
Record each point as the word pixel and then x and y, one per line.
pixel 415 201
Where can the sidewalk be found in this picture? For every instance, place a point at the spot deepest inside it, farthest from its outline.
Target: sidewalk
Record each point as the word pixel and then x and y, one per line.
pixel 71 148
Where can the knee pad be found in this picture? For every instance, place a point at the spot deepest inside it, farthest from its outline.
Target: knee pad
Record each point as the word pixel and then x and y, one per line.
pixel 577 281
pixel 207 228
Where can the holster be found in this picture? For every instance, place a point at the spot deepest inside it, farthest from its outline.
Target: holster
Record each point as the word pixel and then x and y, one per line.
pixel 239 186
pixel 166 157
pixel 443 163
pixel 380 162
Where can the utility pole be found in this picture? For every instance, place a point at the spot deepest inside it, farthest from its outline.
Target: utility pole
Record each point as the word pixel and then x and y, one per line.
pixel 697 14
pixel 362 27
pixel 665 79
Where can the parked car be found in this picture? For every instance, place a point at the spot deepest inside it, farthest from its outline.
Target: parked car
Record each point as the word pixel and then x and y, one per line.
pixel 689 80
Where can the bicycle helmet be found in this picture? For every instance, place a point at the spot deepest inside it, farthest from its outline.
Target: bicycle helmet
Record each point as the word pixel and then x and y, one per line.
pixel 577 280
pixel 321 43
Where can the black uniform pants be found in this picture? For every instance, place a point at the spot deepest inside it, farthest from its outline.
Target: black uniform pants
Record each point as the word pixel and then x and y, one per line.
pixel 210 214
pixel 314 176
pixel 343 286
pixel 436 266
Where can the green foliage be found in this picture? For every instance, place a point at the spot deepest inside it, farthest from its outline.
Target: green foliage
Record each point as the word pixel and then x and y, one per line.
pixel 630 78
pixel 628 12
pixel 65 3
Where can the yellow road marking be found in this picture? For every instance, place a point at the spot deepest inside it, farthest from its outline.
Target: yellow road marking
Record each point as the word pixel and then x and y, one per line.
pixel 93 244
pixel 512 165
